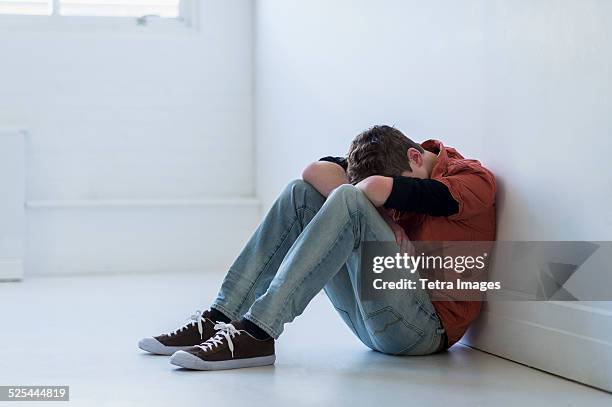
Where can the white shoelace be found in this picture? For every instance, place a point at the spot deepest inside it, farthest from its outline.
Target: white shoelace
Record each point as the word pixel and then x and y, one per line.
pixel 194 319
pixel 224 332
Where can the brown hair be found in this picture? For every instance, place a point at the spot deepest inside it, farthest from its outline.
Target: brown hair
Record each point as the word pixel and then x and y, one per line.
pixel 380 150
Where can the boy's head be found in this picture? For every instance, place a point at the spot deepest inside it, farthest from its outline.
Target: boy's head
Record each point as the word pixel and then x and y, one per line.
pixel 384 150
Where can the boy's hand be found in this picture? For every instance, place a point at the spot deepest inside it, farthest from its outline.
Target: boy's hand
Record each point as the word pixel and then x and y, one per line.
pixel 401 238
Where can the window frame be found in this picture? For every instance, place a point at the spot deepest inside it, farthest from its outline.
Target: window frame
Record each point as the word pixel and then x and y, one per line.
pixel 187 19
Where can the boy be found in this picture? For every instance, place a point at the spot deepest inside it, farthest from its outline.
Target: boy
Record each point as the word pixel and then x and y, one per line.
pixel 389 188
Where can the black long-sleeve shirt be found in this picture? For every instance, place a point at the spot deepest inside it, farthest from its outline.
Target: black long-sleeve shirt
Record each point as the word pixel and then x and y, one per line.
pixel 426 196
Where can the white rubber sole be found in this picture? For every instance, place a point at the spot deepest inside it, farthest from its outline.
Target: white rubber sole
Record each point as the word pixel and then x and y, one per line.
pixel 189 361
pixel 152 345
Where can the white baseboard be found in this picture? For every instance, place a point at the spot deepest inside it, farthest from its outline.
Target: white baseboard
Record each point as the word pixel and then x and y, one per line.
pixel 567 339
pixel 142 203
pixel 92 237
pixel 11 269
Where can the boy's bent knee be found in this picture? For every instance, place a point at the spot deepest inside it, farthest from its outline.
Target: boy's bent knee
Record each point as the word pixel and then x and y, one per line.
pixel 345 190
pixel 300 193
pixel 298 184
pixel 347 193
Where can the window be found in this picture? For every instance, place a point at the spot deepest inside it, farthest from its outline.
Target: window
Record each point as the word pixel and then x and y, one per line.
pixel 33 7
pixel 112 8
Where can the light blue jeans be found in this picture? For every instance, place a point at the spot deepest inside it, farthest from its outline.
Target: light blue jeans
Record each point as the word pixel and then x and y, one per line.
pixel 307 243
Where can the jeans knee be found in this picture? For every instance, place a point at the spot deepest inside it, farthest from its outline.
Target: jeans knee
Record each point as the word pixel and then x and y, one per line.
pixel 296 185
pixel 301 193
pixel 346 193
pixel 345 189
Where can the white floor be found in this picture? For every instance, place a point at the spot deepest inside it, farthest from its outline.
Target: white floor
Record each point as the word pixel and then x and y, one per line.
pixel 82 332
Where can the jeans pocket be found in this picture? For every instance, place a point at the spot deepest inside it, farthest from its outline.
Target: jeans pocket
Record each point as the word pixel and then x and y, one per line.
pixel 391 333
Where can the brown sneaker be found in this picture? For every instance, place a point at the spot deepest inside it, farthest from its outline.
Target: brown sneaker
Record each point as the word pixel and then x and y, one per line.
pixel 230 348
pixel 196 330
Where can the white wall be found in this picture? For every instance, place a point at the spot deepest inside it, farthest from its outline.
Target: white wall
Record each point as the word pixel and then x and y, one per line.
pixel 138 115
pixel 12 176
pixel 327 70
pixel 522 85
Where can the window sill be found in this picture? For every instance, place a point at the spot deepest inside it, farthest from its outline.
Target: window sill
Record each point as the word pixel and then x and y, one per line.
pixel 95 24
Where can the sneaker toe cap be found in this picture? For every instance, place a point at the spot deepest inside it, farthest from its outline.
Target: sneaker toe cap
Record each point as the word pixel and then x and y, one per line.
pixel 152 345
pixel 186 360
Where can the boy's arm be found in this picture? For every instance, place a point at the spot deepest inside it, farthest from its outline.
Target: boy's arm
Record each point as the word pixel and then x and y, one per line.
pixel 377 188
pixel 409 194
pixel 326 175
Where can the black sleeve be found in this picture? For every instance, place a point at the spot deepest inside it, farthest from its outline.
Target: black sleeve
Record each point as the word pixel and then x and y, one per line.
pixel 425 196
pixel 341 161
